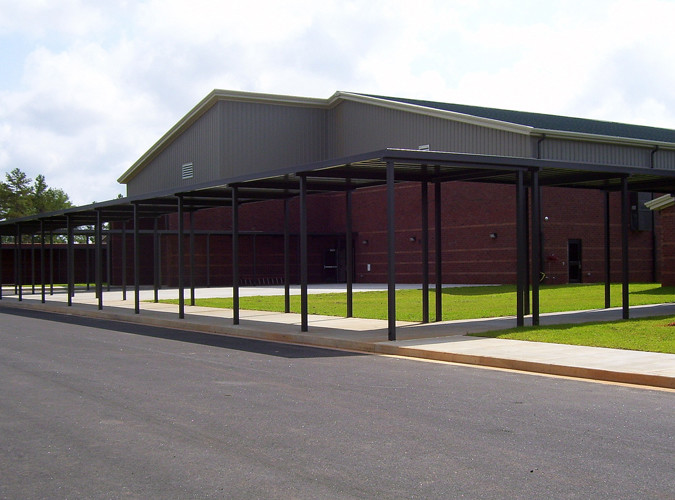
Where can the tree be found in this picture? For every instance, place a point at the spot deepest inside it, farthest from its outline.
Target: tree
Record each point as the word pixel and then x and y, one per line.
pixel 20 197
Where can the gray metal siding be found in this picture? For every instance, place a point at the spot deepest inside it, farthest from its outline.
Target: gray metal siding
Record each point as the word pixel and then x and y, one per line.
pixel 664 159
pixel 361 128
pixel 197 145
pixel 262 137
pixel 595 152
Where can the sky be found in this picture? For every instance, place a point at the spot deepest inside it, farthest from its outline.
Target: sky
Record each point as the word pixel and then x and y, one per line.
pixel 86 87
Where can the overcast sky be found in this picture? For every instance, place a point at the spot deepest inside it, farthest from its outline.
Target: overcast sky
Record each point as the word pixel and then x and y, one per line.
pixel 86 87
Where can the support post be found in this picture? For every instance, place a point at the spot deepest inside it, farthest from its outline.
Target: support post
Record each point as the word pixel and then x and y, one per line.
pixel 208 260
pixel 137 262
pixel 526 298
pixel 19 261
pixel 87 264
pixel 235 255
pixel 304 323
pixel 536 245
pixel 108 257
pixel 43 275
pixel 98 260
pixel 425 251
pixel 32 263
pixel 287 258
pixel 391 253
pixel 438 251
pixel 349 250
pixel 192 258
pixel 625 224
pixel 70 258
pixel 0 267
pixel 51 263
pixel 124 260
pixel 181 264
pixel 155 260
pixel 608 255
pixel 521 257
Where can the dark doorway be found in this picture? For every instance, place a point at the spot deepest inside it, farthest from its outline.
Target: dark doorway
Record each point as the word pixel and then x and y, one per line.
pixel 574 260
pixel 335 263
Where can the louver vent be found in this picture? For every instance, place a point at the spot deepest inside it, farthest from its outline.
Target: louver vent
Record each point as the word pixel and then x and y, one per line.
pixel 187 171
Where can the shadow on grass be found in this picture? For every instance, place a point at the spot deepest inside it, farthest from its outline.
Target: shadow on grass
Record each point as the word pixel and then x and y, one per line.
pixel 658 290
pixel 221 341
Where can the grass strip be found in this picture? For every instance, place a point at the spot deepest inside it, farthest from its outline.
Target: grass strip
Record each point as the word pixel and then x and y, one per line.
pixel 645 334
pixel 458 303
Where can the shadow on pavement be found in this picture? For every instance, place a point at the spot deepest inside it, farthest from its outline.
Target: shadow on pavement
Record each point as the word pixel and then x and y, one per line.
pixel 213 340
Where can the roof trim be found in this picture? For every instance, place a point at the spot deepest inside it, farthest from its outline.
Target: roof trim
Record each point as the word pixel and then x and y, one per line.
pixel 438 113
pixel 202 107
pixel 611 139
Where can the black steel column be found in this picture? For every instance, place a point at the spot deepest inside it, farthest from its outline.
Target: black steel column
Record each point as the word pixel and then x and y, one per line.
pixel 124 260
pixel 108 257
pixel 51 263
pixel 287 258
pixel 19 260
pixel 208 260
pixel 70 260
pixel 521 244
pixel 425 252
pixel 235 255
pixel 391 252
pixel 526 298
pixel 438 251
pixel 42 261
pixel 349 250
pixel 181 264
pixel 98 260
pixel 625 222
pixel 137 263
pixel 536 245
pixel 304 324
pixel 32 263
pixel 608 255
pixel 0 267
pixel 192 258
pixel 155 260
pixel 87 264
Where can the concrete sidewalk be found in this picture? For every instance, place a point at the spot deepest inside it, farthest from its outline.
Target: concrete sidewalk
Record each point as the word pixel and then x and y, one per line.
pixel 443 341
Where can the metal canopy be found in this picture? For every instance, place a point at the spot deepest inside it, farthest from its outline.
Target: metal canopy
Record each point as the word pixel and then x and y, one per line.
pixel 350 173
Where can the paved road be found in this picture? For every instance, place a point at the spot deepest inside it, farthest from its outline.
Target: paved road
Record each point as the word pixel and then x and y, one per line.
pixel 94 409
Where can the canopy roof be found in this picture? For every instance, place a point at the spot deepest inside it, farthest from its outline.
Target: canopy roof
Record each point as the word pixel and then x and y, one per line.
pixel 354 172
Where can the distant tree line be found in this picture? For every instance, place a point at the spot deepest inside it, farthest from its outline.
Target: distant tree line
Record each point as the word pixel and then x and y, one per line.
pixel 20 196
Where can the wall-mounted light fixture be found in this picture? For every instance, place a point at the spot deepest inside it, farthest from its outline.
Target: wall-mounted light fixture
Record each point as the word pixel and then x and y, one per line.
pixel 365 242
pixel 493 236
pixel 413 239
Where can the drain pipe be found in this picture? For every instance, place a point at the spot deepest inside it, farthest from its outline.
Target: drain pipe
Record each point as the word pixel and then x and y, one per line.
pixel 654 252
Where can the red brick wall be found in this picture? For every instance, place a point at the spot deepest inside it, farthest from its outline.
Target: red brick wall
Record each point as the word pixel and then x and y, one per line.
pixel 667 240
pixel 470 212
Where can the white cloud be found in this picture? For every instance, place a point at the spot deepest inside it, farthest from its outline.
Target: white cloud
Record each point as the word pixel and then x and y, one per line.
pixel 90 86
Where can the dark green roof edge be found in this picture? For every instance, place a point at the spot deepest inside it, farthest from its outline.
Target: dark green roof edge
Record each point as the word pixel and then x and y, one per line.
pixel 547 122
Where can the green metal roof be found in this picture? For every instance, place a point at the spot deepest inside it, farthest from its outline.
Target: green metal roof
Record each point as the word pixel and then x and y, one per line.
pixel 548 122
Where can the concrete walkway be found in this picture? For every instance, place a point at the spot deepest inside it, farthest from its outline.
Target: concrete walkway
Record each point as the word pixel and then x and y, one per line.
pixel 443 341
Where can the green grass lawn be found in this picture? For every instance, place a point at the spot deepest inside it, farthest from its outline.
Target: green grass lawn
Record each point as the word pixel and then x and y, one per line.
pixel 646 334
pixel 652 334
pixel 458 303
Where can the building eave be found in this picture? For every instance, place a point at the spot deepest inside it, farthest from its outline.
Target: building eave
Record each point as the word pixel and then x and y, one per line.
pixel 606 139
pixel 437 113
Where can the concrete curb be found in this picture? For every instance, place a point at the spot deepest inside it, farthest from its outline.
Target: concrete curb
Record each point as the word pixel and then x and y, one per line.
pixel 384 348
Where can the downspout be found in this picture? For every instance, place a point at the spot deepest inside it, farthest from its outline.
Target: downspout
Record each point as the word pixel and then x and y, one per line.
pixel 541 231
pixel 654 252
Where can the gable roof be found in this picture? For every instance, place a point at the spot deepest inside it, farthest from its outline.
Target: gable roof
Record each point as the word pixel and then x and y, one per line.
pixel 514 121
pixel 545 122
